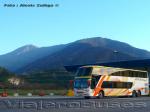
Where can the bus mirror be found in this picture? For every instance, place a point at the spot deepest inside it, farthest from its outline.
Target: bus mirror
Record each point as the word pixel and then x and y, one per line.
pixel 88 82
pixel 71 82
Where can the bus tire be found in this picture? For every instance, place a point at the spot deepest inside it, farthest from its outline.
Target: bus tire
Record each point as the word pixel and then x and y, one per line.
pixel 139 93
pixel 134 94
pixel 87 97
pixel 101 94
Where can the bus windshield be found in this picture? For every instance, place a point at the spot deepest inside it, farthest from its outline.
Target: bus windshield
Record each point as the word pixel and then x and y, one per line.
pixel 84 71
pixel 81 83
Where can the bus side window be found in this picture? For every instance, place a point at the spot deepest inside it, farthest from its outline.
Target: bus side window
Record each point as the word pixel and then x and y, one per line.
pixel 131 74
pixel 117 73
pixel 107 84
pixel 145 75
pixel 122 72
pixel 129 84
pixel 142 74
pixel 112 74
pixel 127 73
pixel 138 74
pixel 134 74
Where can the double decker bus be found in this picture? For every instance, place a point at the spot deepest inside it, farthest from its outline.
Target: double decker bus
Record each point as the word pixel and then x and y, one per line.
pixel 100 81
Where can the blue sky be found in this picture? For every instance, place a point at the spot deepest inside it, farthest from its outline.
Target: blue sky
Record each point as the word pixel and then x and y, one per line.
pixel 124 20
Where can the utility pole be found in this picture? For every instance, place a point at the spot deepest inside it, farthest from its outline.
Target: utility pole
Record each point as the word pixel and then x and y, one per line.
pixel 115 55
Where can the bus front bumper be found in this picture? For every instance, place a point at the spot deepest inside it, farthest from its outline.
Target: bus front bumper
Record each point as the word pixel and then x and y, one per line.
pixel 83 92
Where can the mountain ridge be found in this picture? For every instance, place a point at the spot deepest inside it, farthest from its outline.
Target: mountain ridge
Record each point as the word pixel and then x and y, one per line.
pixel 87 51
pixel 25 55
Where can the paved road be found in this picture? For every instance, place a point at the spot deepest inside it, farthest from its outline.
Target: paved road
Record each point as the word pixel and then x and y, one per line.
pixel 68 104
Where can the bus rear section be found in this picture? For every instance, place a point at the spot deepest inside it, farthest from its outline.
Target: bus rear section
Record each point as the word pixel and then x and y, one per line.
pixel 99 81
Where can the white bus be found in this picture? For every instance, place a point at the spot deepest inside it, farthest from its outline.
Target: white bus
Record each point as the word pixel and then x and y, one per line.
pixel 100 81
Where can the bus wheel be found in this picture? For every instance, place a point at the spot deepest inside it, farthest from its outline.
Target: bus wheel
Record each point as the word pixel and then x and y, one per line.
pixel 101 94
pixel 134 94
pixel 139 93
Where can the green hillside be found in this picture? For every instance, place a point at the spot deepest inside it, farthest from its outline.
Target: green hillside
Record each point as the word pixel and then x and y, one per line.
pixel 4 75
pixel 51 79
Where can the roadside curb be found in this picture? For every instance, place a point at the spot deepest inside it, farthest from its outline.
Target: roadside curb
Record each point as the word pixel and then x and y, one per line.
pixel 37 97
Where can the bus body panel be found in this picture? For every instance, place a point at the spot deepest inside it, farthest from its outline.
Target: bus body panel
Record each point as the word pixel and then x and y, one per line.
pixel 138 84
pixel 111 85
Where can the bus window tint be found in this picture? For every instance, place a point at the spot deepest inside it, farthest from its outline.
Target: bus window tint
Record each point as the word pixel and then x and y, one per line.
pixel 111 84
pixel 127 73
pixel 130 74
pixel 107 84
pixel 84 71
pixel 116 74
pixel 144 75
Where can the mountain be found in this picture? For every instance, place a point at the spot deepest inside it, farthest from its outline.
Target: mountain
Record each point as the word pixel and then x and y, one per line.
pixel 85 51
pixel 117 46
pixel 25 55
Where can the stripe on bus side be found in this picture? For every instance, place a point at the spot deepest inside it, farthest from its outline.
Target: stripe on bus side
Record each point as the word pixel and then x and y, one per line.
pixel 98 86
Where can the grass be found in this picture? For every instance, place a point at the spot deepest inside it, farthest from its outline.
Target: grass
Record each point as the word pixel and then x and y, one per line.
pixel 23 92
